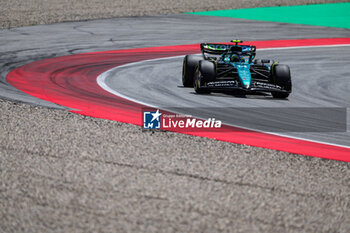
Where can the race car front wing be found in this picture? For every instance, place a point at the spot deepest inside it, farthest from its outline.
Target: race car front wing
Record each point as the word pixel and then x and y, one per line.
pixel 235 85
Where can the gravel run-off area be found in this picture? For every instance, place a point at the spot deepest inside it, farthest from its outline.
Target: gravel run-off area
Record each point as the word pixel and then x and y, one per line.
pixel 31 12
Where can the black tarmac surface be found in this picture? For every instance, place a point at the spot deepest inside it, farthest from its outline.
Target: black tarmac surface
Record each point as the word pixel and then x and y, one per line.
pixel 316 110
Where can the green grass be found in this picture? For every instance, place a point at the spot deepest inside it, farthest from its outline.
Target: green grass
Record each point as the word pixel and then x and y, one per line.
pixel 328 15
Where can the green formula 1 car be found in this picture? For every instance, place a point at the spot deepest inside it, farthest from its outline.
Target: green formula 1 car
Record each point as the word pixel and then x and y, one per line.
pixel 232 66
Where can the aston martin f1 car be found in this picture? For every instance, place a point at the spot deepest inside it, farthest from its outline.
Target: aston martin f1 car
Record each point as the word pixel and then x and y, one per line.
pixel 231 66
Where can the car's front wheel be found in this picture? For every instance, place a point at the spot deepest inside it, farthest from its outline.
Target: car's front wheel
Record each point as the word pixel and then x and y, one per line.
pixel 279 95
pixel 205 73
pixel 197 86
pixel 281 77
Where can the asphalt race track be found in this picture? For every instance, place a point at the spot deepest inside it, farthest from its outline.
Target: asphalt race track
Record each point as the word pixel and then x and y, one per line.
pixel 328 63
pixel 315 70
pixel 318 131
pixel 20 46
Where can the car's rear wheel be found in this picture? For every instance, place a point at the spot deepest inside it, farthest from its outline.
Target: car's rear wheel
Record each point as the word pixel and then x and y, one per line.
pixel 281 77
pixel 190 64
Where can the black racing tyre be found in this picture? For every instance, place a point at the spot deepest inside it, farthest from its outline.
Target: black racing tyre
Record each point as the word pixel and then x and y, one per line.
pixel 280 95
pixel 282 78
pixel 190 64
pixel 197 86
pixel 197 83
pixel 207 71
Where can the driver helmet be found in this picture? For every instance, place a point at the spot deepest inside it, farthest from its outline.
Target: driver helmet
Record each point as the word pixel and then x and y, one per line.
pixel 236 58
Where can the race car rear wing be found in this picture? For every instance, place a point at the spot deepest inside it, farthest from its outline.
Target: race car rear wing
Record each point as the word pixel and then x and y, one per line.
pixel 217 49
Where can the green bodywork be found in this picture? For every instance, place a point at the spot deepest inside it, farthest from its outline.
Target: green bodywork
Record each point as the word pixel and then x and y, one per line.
pixel 244 74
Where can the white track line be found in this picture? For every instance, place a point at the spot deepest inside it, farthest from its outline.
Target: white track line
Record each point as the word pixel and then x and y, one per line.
pixel 101 81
